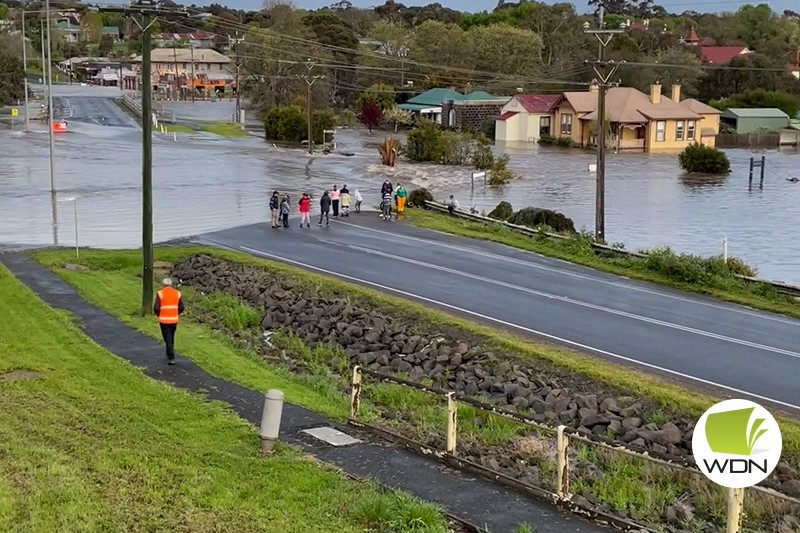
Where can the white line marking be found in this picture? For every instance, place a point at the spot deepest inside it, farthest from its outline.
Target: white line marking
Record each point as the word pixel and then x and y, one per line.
pixel 580 303
pixel 482 253
pixel 504 323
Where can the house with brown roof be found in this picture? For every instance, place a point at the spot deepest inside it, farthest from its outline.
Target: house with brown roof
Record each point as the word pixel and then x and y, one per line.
pixel 639 122
pixel 526 117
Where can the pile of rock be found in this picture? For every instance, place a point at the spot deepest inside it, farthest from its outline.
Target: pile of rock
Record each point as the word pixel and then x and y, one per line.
pixel 386 343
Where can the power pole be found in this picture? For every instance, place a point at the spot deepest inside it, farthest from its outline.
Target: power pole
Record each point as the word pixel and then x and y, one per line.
pixel 310 80
pixel 192 59
pixel 604 70
pixel 50 103
pixel 147 9
pixel 177 75
pixel 25 69
pixel 403 53
pixel 235 43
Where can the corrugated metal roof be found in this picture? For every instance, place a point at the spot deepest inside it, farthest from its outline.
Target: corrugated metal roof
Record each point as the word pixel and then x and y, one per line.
pixel 537 103
pixel 507 115
pixel 762 112
pixel 699 107
pixel 435 97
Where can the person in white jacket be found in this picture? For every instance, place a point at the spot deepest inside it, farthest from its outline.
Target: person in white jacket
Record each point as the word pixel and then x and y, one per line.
pixel 359 199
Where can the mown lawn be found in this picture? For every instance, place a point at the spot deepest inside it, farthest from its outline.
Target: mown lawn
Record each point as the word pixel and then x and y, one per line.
pixel 90 444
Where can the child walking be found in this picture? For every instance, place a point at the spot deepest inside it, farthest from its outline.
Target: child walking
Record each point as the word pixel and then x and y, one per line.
pixel 305 210
pixel 285 211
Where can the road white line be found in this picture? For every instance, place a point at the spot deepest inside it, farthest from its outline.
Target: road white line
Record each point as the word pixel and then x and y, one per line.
pixel 406 293
pixel 491 255
pixel 573 301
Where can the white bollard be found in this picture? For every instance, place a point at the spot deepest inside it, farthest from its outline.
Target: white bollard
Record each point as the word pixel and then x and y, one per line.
pixel 271 420
pixel 174 136
pixel 725 250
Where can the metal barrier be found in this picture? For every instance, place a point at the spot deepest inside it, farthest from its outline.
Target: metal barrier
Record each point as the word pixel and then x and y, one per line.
pixel 781 288
pixel 564 436
pixel 159 113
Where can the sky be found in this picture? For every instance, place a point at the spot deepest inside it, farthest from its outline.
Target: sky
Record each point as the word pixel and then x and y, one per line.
pixel 673 6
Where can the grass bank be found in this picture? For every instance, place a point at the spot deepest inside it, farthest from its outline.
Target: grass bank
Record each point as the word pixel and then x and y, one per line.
pixel 222 333
pixel 223 129
pixel 90 444
pixel 709 276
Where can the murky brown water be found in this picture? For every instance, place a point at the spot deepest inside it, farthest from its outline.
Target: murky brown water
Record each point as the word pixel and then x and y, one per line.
pixel 203 183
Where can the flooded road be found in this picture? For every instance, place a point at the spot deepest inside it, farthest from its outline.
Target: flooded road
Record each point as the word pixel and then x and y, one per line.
pixel 205 183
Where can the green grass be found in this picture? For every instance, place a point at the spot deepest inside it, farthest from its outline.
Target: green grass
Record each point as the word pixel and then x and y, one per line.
pixel 223 129
pixel 707 276
pixel 93 445
pixel 112 284
pixel 177 128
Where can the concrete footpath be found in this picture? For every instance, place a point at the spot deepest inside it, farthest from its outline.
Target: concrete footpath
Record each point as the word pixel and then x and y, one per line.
pixel 471 499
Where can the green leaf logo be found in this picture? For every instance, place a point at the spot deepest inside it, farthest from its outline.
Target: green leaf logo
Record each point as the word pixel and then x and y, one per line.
pixel 726 431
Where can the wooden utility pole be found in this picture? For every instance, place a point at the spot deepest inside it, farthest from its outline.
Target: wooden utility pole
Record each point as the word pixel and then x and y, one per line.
pixel 310 80
pixel 50 115
pixel 192 59
pixel 25 69
pixel 604 71
pixel 235 43
pixel 177 74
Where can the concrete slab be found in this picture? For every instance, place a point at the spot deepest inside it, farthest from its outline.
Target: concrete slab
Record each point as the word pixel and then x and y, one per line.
pixel 332 436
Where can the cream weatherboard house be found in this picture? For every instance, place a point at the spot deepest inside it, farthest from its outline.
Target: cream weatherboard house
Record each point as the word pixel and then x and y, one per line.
pixel 639 122
pixel 526 118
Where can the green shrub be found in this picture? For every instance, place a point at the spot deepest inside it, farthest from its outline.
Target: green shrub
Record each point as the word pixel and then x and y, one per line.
pixel 322 120
pixel 489 128
pixel 423 142
pixel 547 139
pixel 503 211
pixel 285 124
pixel 564 141
pixel 698 158
pixel 555 141
pixel 534 217
pixel 482 155
pixel 455 147
pixel 418 197
pixel 694 269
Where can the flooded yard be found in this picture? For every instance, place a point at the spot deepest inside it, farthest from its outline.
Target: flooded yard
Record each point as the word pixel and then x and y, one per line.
pixel 203 183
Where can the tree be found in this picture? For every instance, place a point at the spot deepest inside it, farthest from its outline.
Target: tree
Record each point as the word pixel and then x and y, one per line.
pixel 371 115
pixel 505 49
pixel 380 94
pixel 788 103
pixel 322 120
pixel 91 28
pixel 398 117
pixel 3 11
pixel 11 78
pixel 106 45
pixel 285 124
pixel 333 32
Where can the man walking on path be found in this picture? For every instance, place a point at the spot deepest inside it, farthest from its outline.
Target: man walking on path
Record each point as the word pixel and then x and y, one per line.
pixel 274 208
pixel 324 208
pixel 168 306
pixel 335 200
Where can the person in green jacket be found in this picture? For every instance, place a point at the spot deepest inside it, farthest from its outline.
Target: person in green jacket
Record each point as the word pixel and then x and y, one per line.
pixel 400 194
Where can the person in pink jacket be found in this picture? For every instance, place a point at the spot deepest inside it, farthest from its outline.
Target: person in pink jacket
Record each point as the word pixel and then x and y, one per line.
pixel 305 210
pixel 335 201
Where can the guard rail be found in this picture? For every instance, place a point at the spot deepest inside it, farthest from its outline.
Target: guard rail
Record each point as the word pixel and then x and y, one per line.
pixel 780 287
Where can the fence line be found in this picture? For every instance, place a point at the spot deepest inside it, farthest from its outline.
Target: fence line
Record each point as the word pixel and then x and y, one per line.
pixel 746 140
pixel 781 288
pixel 565 436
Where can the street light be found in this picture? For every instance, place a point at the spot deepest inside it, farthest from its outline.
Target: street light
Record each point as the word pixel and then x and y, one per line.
pixel 74 201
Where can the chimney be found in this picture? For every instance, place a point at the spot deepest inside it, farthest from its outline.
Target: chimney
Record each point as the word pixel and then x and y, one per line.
pixel 676 92
pixel 655 93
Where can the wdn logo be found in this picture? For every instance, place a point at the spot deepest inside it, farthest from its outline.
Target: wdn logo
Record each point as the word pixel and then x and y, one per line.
pixel 737 443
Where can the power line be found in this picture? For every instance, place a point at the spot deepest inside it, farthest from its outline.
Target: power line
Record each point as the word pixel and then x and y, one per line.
pixel 310 80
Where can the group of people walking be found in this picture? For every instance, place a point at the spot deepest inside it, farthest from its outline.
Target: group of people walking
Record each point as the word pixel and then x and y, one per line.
pixel 337 200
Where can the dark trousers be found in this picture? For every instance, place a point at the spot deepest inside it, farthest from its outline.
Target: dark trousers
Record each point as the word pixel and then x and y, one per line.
pixel 335 208
pixel 168 333
pixel 285 220
pixel 325 215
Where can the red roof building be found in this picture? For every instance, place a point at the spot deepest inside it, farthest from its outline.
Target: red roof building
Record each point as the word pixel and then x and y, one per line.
pixel 691 37
pixel 535 103
pixel 526 117
pixel 721 55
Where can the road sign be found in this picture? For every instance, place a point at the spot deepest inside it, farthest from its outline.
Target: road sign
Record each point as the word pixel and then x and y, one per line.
pixel 14 112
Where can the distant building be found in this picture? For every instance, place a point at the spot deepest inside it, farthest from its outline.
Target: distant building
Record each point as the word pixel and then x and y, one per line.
pixel 712 54
pixel 429 104
pixel 526 117
pixel 750 120
pixel 472 110
pixel 198 39
pixel 181 68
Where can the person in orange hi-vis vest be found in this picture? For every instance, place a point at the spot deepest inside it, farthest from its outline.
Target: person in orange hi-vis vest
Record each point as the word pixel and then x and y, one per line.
pixel 168 306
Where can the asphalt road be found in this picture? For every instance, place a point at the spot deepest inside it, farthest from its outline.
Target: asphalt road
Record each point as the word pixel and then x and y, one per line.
pixel 91 109
pixel 732 350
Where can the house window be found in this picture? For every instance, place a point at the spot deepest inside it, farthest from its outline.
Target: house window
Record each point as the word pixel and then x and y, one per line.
pixel 661 128
pixel 566 124
pixel 679 130
pixel 690 130
pixel 544 126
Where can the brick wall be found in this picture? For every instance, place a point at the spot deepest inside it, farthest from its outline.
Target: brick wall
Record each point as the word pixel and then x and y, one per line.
pixel 472 115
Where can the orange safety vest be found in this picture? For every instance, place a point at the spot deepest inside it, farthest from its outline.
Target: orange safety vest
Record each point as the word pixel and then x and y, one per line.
pixel 168 312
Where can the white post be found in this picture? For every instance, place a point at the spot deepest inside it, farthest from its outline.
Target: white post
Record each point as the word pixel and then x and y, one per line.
pixel 271 420
pixel 241 116
pixel 174 136
pixel 75 216
pixel 452 423
pixel 735 505
pixel 725 250
pixel 562 463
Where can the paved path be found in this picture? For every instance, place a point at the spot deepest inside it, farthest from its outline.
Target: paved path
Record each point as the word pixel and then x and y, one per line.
pixel 727 349
pixel 471 499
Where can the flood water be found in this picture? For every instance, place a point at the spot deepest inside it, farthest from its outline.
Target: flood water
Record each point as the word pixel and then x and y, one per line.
pixel 204 183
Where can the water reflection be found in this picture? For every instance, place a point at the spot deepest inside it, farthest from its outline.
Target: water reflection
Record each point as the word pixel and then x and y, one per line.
pixel 202 185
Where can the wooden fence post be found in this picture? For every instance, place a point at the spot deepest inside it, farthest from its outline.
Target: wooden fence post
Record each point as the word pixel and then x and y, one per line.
pixel 562 463
pixel 355 392
pixel 735 505
pixel 452 423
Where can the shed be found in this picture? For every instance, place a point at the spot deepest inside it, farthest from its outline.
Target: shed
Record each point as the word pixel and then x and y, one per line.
pixel 750 120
